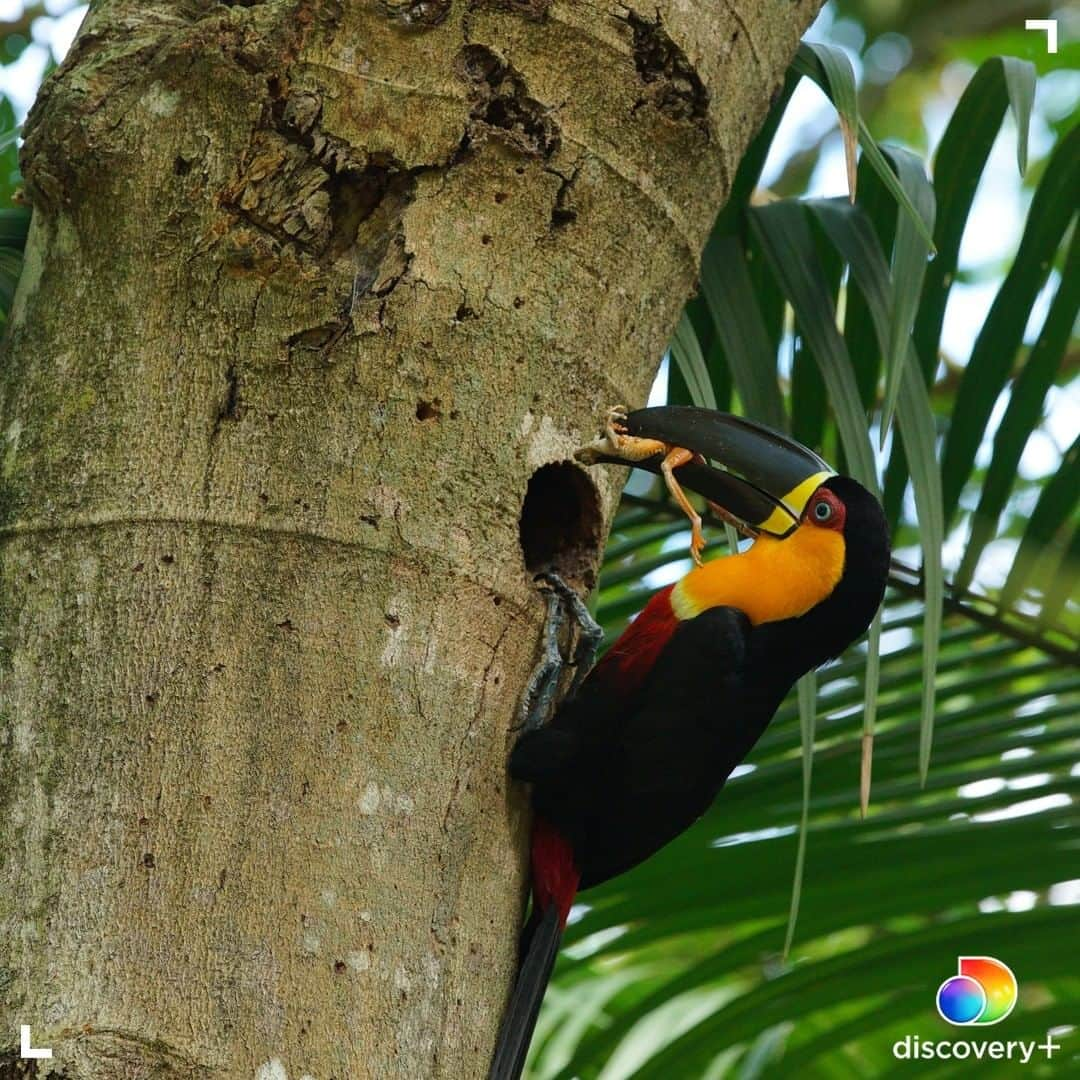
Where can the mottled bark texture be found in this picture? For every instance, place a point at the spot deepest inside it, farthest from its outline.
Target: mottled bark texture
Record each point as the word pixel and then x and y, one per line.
pixel 313 288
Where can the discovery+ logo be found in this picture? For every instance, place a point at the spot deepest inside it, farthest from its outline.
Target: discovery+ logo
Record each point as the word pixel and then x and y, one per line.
pixel 982 992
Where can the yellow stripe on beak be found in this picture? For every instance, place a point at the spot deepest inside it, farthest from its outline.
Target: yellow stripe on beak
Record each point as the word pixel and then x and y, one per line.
pixel 779 522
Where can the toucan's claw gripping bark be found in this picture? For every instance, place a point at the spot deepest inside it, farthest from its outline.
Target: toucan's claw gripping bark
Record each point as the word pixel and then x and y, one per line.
pixel 543 684
pixel 589 631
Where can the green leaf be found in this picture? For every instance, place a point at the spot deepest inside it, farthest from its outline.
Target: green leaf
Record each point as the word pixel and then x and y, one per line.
pixel 908 270
pixel 859 332
pixel 770 298
pixel 686 352
pixel 10 137
pixel 809 60
pixel 807 691
pixel 1055 507
pixel 14 226
pixel 917 426
pixel 10 269
pixel 789 246
pixel 1065 576
pixel 856 240
pixel 1024 412
pixel 1020 82
pixel 1052 209
pixel 712 350
pixel 725 284
pixel 959 163
pixel 870 700
pixel 809 397
pixel 831 69
pixel 960 160
pixel 9 151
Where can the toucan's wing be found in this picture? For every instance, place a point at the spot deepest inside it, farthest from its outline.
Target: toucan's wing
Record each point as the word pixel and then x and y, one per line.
pixel 691 697
pixel 671 752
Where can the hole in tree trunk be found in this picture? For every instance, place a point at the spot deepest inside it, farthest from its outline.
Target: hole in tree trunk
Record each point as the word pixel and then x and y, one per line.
pixel 560 523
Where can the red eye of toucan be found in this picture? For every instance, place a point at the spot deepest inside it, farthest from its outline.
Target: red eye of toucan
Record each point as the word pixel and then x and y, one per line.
pixel 826 510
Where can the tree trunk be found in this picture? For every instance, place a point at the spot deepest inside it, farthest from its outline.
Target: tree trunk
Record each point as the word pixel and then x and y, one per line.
pixel 312 291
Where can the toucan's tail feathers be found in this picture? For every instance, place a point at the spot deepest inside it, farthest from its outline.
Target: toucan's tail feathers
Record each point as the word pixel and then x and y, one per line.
pixel 540 940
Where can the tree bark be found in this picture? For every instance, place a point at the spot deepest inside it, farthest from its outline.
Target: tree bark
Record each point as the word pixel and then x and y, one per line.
pixel 312 291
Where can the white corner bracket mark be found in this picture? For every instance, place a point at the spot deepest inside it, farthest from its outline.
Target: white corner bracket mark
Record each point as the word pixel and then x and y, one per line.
pixel 1050 26
pixel 28 1051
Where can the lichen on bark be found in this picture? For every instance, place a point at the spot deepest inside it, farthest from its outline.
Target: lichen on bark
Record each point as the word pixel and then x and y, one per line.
pixel 313 289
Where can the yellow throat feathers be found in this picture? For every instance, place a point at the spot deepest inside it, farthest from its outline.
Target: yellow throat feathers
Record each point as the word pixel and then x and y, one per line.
pixel 771 580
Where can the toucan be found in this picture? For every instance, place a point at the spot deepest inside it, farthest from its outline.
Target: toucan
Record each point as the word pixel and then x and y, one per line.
pixel 643 743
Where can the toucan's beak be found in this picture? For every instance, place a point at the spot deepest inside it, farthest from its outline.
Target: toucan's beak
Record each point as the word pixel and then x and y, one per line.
pixel 765 479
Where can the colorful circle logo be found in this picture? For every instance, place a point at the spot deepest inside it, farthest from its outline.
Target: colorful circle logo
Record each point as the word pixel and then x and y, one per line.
pixel 983 992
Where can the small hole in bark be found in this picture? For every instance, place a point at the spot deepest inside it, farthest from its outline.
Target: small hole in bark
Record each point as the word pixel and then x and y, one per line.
pixel 560 523
pixel 181 166
pixel 485 239
pixel 500 196
pixel 339 967
pixel 148 860
pixel 428 410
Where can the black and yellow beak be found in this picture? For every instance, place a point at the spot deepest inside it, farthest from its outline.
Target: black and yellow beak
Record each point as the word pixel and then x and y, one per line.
pixel 765 479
